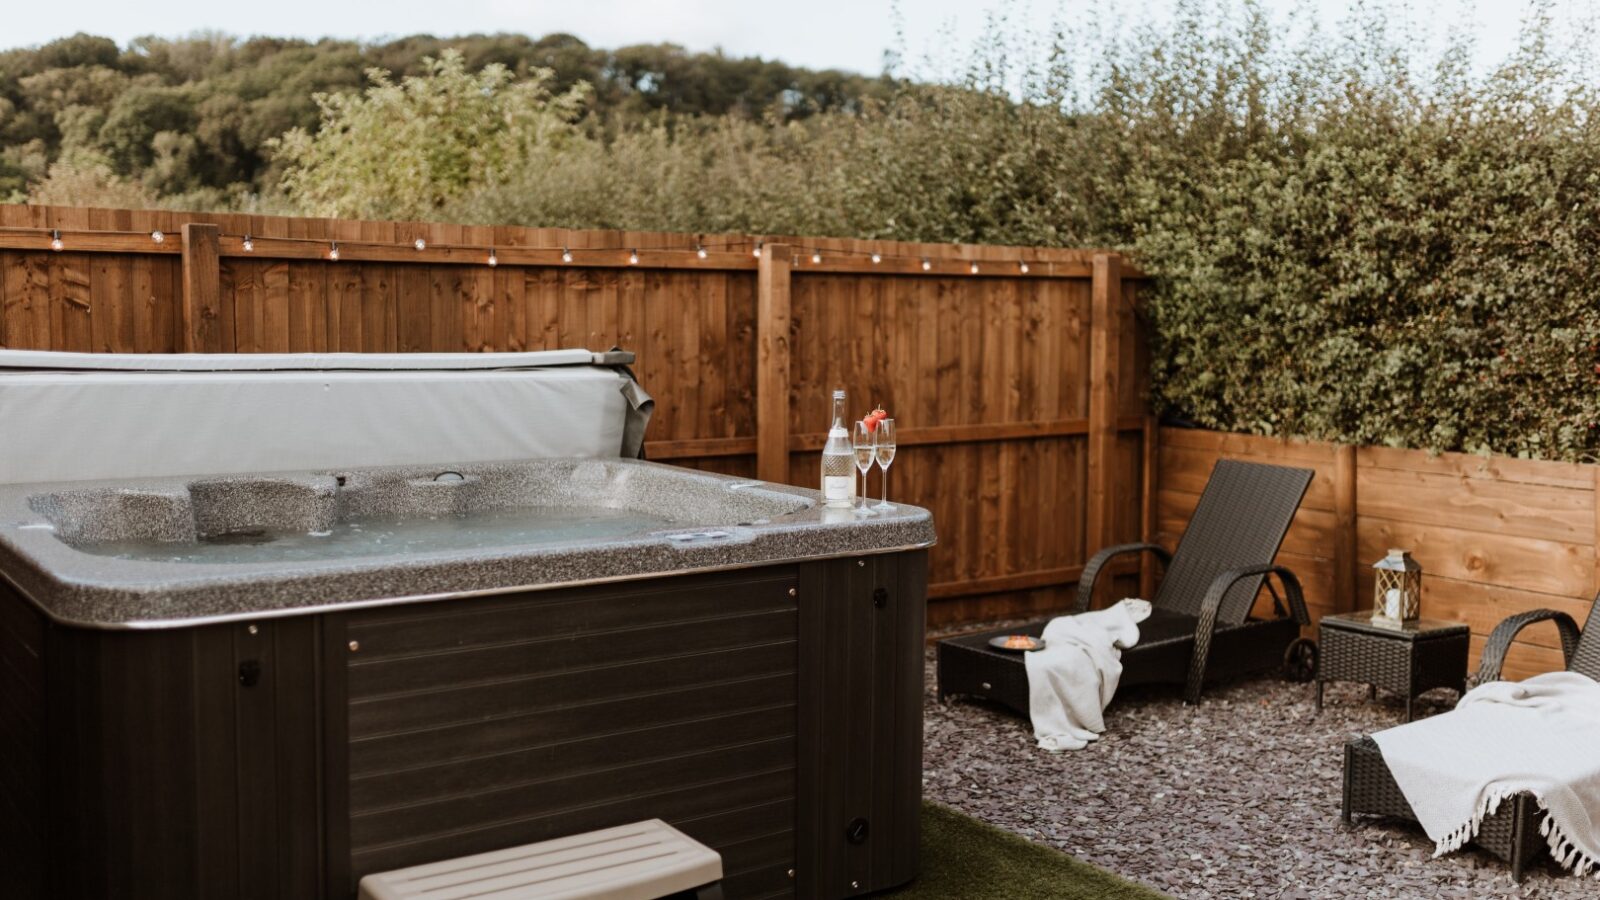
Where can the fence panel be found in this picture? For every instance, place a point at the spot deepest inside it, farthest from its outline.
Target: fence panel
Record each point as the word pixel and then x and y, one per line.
pixel 987 356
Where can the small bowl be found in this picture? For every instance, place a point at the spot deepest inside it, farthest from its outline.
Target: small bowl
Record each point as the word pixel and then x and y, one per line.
pixel 1016 643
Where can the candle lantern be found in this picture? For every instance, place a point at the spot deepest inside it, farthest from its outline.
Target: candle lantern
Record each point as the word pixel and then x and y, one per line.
pixel 1397 589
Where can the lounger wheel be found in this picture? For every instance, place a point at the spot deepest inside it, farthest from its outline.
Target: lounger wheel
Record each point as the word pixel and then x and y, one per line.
pixel 1300 660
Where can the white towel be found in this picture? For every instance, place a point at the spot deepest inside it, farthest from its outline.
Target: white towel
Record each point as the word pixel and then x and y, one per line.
pixel 1072 679
pixel 1541 736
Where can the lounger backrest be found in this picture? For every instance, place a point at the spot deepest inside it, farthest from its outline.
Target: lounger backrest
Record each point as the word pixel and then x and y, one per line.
pixel 1587 658
pixel 1240 521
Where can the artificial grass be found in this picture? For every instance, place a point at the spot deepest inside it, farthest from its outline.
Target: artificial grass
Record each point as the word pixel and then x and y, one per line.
pixel 964 859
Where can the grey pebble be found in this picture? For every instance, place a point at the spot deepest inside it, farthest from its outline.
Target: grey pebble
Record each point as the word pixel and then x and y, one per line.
pixel 1237 798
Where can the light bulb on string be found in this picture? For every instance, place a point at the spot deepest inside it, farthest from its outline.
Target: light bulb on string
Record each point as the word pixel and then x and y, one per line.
pixel 566 255
pixel 816 257
pixel 633 257
pixel 877 258
pixel 1023 266
pixel 158 237
pixel 974 269
pixel 249 244
pixel 926 264
pixel 333 251
pixel 756 251
pixel 493 260
pixel 700 251
pixel 55 240
pixel 420 244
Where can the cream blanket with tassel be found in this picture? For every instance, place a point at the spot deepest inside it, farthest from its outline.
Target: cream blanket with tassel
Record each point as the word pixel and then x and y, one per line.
pixel 1072 679
pixel 1541 735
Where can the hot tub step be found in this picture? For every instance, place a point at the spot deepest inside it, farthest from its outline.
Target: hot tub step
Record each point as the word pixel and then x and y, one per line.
pixel 641 861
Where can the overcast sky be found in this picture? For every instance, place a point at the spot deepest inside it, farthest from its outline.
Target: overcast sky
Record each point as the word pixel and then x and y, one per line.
pixel 847 34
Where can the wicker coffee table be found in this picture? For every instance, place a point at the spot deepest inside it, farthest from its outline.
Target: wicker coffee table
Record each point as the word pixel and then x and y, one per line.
pixel 1408 659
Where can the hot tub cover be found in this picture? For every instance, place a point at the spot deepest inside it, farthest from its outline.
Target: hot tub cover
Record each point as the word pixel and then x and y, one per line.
pixel 82 416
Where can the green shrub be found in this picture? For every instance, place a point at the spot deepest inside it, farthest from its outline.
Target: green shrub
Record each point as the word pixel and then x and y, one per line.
pixel 1354 238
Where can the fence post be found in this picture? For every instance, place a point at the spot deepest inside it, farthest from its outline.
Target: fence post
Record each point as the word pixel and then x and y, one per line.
pixel 1594 588
pixel 202 288
pixel 772 364
pixel 1105 343
pixel 1148 526
pixel 1344 538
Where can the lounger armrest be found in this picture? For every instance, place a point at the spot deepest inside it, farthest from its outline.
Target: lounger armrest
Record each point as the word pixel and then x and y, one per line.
pixel 1207 624
pixel 1091 572
pixel 1494 650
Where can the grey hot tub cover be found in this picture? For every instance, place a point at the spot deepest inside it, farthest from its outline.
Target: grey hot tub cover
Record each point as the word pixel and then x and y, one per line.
pixel 84 416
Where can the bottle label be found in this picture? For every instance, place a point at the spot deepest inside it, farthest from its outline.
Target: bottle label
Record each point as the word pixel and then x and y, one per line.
pixel 837 487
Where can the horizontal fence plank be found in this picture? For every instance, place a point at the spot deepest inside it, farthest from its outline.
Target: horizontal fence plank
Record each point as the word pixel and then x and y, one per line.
pixel 1232 444
pixel 1524 660
pixel 1310 534
pixel 700 448
pixel 1483 606
pixel 1548 567
pixel 1020 581
pixel 1188 469
pixel 345 249
pixel 1478 504
pixel 967 434
pixel 1494 468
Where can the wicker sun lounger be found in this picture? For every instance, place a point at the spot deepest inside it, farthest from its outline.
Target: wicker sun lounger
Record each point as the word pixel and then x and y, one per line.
pixel 1200 628
pixel 1512 832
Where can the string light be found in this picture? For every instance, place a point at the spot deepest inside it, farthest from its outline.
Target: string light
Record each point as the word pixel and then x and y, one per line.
pixel 702 252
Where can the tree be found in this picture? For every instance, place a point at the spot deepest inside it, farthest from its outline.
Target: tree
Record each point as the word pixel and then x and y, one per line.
pixel 405 149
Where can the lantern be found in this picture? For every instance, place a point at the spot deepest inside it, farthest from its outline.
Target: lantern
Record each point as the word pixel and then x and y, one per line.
pixel 1397 589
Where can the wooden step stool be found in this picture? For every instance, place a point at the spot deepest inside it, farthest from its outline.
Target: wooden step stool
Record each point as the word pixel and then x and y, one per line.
pixel 642 861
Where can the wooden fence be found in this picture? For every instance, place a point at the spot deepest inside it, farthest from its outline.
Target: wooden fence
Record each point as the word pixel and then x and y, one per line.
pixel 1016 374
pixel 1495 536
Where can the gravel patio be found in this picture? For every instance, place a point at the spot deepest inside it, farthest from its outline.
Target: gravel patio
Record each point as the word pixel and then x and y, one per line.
pixel 1237 798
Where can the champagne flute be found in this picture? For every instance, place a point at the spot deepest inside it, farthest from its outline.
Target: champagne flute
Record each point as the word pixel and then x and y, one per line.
pixel 864 442
pixel 885 454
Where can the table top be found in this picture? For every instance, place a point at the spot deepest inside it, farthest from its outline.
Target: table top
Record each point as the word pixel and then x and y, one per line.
pixel 1410 631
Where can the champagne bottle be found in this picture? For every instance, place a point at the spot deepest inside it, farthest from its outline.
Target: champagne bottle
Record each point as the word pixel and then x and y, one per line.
pixel 838 460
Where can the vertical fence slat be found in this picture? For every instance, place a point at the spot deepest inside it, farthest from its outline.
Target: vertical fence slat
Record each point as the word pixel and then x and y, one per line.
pixel 1147 509
pixel 1104 344
pixel 202 288
pixel 1344 538
pixel 772 364
pixel 1594 587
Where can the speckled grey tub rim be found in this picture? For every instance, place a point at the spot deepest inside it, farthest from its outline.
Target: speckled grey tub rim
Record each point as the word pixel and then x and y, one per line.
pixel 137 605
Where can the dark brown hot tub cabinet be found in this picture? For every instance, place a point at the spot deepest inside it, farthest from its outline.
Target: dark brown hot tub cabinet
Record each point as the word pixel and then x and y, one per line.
pixel 772 713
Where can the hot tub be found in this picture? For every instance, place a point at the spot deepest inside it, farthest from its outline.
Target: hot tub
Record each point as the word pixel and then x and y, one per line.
pixel 268 684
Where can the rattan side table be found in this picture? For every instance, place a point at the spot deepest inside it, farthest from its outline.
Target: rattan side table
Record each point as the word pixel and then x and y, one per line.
pixel 1409 659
